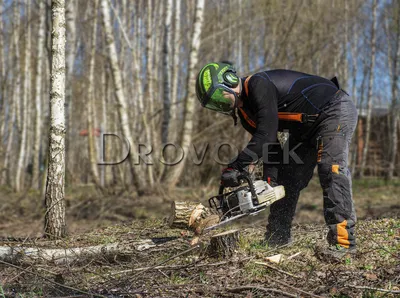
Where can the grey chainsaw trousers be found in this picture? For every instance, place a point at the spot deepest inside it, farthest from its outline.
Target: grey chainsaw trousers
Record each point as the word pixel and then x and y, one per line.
pixel 327 148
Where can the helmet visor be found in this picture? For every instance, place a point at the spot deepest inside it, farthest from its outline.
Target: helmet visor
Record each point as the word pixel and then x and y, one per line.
pixel 220 102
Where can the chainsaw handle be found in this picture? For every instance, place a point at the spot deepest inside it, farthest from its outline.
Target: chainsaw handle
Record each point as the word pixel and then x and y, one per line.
pixel 221 189
pixel 249 182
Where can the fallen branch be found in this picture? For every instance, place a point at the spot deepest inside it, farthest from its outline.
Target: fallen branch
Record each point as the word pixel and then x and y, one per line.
pixel 292 287
pixel 167 260
pixel 179 267
pixel 24 254
pixel 375 289
pixel 51 281
pixel 258 288
pixel 277 269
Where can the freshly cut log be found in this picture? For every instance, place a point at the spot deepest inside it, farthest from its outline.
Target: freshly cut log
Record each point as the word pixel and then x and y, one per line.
pixel 191 215
pixel 223 245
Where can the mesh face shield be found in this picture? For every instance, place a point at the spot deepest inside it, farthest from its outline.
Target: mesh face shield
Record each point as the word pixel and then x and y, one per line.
pixel 218 102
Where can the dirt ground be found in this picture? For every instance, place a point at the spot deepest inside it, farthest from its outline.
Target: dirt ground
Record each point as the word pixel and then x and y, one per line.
pixel 170 267
pixel 22 215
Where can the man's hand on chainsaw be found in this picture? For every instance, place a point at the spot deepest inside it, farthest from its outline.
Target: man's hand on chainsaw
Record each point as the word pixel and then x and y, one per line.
pixel 231 177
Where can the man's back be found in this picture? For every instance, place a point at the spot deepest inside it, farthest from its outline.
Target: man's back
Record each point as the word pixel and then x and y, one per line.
pixel 295 91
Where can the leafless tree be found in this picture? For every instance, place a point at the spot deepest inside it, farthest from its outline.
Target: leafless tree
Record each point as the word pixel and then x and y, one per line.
pixel 55 225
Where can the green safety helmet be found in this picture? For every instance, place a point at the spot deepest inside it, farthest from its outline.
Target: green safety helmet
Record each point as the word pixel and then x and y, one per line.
pixel 212 80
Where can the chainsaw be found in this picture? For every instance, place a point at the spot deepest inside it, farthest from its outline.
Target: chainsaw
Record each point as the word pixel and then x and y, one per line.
pixel 250 198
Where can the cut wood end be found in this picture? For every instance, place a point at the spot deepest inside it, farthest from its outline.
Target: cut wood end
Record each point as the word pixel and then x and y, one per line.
pixel 196 214
pixel 207 222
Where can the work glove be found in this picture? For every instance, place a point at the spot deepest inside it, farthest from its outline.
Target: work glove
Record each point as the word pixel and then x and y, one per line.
pixel 231 177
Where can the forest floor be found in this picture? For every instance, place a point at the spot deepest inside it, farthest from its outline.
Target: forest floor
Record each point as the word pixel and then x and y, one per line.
pixel 160 262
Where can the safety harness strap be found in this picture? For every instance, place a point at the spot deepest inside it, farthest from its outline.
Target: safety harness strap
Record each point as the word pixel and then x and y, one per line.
pixel 283 116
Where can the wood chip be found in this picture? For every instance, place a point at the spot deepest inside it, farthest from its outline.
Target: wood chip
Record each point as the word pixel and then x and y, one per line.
pixel 275 259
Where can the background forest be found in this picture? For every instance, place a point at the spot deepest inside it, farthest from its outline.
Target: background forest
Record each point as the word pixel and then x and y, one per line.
pixel 130 71
pixel 159 47
pixel 128 79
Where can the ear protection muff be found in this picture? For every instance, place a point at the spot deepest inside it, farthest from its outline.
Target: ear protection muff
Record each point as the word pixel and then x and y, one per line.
pixel 231 80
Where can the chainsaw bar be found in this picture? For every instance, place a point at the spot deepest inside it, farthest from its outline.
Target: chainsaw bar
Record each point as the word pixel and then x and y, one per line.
pixel 231 219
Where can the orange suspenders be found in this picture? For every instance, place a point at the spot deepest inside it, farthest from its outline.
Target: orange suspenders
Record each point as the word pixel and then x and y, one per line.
pixel 284 116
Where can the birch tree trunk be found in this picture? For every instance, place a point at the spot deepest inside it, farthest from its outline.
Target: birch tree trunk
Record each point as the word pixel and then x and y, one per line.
pixel 70 15
pixel 16 94
pixel 175 71
pixel 353 52
pixel 148 88
pixel 55 226
pixel 2 55
pixel 25 108
pixel 370 89
pixel 190 99
pixel 167 72
pixel 90 104
pixel 38 94
pixel 119 93
pixel 393 136
pixel 17 74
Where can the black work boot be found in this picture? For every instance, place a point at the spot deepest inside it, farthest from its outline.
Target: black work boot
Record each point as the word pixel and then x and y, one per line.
pixel 277 238
pixel 335 253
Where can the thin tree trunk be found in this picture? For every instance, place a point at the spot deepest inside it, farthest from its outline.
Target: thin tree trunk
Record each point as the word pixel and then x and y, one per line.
pixel 148 88
pixel 353 52
pixel 55 226
pixel 7 169
pixel 90 104
pixel 70 15
pixel 187 131
pixel 167 73
pixel 345 64
pixel 175 71
pixel 394 105
pixel 2 55
pixel 38 95
pixel 17 82
pixel 105 170
pixel 26 92
pixel 370 89
pixel 119 93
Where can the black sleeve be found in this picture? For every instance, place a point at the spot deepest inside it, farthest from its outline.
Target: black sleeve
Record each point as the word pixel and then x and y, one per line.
pixel 264 97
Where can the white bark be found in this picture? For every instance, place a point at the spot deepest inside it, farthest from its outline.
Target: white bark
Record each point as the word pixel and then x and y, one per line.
pixel 370 88
pixel 119 92
pixel 38 95
pixel 190 100
pixel 55 209
pixel 27 255
pixel 25 106
pixel 70 15
pixel 175 71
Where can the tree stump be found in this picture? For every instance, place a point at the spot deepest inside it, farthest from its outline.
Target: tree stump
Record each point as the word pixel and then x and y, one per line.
pixel 223 245
pixel 191 215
